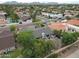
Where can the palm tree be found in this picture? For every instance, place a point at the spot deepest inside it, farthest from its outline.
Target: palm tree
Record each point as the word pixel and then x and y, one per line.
pixel 33 12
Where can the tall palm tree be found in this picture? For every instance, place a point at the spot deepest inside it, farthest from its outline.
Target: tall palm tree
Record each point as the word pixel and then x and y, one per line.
pixel 33 12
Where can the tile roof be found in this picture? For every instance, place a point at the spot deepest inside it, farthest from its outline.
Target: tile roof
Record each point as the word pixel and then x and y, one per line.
pixel 6 42
pixel 73 22
pixel 6 39
pixel 57 26
pixel 6 36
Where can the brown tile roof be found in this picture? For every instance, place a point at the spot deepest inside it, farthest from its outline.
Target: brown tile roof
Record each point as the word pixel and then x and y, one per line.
pixel 57 26
pixel 6 42
pixel 6 39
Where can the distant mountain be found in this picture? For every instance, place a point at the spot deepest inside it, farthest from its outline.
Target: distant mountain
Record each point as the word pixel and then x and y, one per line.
pixel 11 2
pixel 52 3
pixel 38 3
pixel 32 3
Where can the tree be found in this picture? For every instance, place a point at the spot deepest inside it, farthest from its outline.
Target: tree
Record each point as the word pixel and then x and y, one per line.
pixel 14 17
pixel 68 38
pixel 13 29
pixel 15 53
pixel 25 38
pixel 57 33
pixel 33 47
pixel 42 47
pixel 33 11
pixel 10 10
pixel 75 35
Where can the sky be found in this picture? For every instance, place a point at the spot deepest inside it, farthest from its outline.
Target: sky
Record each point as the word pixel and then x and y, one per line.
pixel 28 1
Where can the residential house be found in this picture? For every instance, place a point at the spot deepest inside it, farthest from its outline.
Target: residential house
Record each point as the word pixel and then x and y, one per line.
pixel 40 32
pixel 70 25
pixel 3 20
pixel 7 42
pixel 2 15
pixel 73 25
pixel 24 17
pixel 73 22
pixel 57 26
pixel 56 16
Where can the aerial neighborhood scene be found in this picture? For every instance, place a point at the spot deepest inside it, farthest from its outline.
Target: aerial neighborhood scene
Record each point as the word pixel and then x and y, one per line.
pixel 39 29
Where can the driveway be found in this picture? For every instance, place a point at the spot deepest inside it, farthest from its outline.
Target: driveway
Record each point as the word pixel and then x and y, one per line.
pixel 74 55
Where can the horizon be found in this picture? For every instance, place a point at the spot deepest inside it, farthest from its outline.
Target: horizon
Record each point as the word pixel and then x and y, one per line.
pixel 42 1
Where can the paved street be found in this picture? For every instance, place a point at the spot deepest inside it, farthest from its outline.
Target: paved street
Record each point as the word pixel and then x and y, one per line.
pixel 74 55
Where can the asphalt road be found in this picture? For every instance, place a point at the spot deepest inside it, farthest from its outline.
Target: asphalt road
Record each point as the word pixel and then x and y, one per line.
pixel 74 55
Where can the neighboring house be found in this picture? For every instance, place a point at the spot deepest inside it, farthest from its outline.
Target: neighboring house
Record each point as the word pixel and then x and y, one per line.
pixel 47 33
pixel 70 25
pixel 71 12
pixel 73 22
pixel 3 22
pixel 73 25
pixel 25 18
pixel 72 28
pixel 43 19
pixel 2 15
pixel 38 32
pixel 58 16
pixel 57 26
pixel 2 18
pixel 7 42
